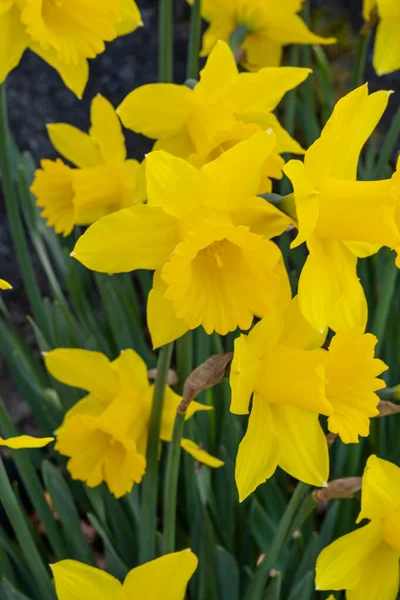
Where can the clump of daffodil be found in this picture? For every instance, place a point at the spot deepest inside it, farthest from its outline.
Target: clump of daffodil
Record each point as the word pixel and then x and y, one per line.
pixel 165 577
pixel 387 43
pixel 104 180
pixel 204 232
pixel 224 108
pixel 63 33
pixel 365 562
pixel 341 219
pixel 105 433
pixel 266 27
pixel 4 285
pixel 292 381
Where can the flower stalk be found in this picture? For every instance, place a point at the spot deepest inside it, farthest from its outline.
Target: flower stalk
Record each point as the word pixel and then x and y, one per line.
pixel 194 41
pixel 166 42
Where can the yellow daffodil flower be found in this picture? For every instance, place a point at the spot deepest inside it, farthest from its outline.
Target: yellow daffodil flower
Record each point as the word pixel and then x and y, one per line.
pixel 196 121
pixel 365 562
pixel 387 43
pixel 165 577
pixel 269 26
pixel 293 381
pixel 203 232
pixel 4 285
pixel 341 219
pixel 105 433
pixel 25 441
pixel 104 180
pixel 64 34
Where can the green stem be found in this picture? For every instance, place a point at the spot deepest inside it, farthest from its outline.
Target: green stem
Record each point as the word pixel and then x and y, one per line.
pixel 14 217
pixel 194 41
pixel 148 530
pixel 166 41
pixel 24 537
pixel 257 587
pixel 184 358
pixel 171 485
pixel 384 303
pixel 360 59
pixel 237 37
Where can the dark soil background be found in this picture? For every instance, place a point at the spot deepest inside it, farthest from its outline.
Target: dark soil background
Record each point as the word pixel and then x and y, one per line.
pixel 37 96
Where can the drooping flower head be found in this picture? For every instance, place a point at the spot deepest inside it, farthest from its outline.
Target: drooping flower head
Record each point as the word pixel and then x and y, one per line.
pixel 365 562
pixel 105 433
pixel 165 577
pixel 269 26
pixel 223 108
pixel 340 218
pixel 204 232
pixel 104 180
pixel 293 381
pixel 63 33
pixel 387 43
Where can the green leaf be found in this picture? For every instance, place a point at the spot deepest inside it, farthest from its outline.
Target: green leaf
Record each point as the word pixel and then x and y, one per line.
pixel 9 592
pixel 115 565
pixel 304 589
pixel 228 575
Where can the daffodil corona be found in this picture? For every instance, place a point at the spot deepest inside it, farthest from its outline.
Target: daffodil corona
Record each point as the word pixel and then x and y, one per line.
pixel 267 26
pixel 387 43
pixel 104 180
pixel 292 381
pixel 105 433
pixel 341 219
pixel 204 232
pixel 63 33
pixel 166 577
pixel 365 562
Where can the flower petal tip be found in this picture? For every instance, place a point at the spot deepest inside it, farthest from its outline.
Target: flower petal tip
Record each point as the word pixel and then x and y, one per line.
pixel 73 254
pixel 324 484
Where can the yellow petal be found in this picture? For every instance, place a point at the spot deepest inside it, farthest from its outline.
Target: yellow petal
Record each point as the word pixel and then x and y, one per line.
pixel 297 331
pixel 25 441
pixel 173 184
pixel 220 29
pixel 261 51
pixel 13 40
pixel 166 577
pixel 352 382
pixel 157 109
pixel 164 326
pixel 258 453
pixel 387 47
pixel 380 489
pixel 213 9
pixel 380 577
pixel 130 18
pixel 243 375
pixel 218 75
pixel 179 144
pixel 304 457
pixel 75 145
pixel 262 218
pixel 106 130
pixel 75 76
pixel 307 200
pixel 236 175
pixel 132 372
pixel 284 141
pixel 341 564
pixel 85 369
pixel 77 580
pixel 291 29
pixel 141 237
pixel 4 285
pixel 201 455
pixel 362 249
pixel 391 530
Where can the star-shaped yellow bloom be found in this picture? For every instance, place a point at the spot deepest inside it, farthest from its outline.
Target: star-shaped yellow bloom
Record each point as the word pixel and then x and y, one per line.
pixel 387 43
pixel 63 33
pixel 270 25
pixel 203 231
pixel 165 577
pixel 293 381
pixel 104 180
pixel 340 218
pixel 365 562
pixel 105 433
pixel 193 123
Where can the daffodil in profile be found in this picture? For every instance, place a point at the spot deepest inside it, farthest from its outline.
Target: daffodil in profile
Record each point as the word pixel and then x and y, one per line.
pixel 365 562
pixel 165 577
pixel 205 233
pixel 187 121
pixel 341 219
pixel 64 34
pixel 103 181
pixel 268 26
pixel 292 381
pixel 105 433
pixel 387 43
